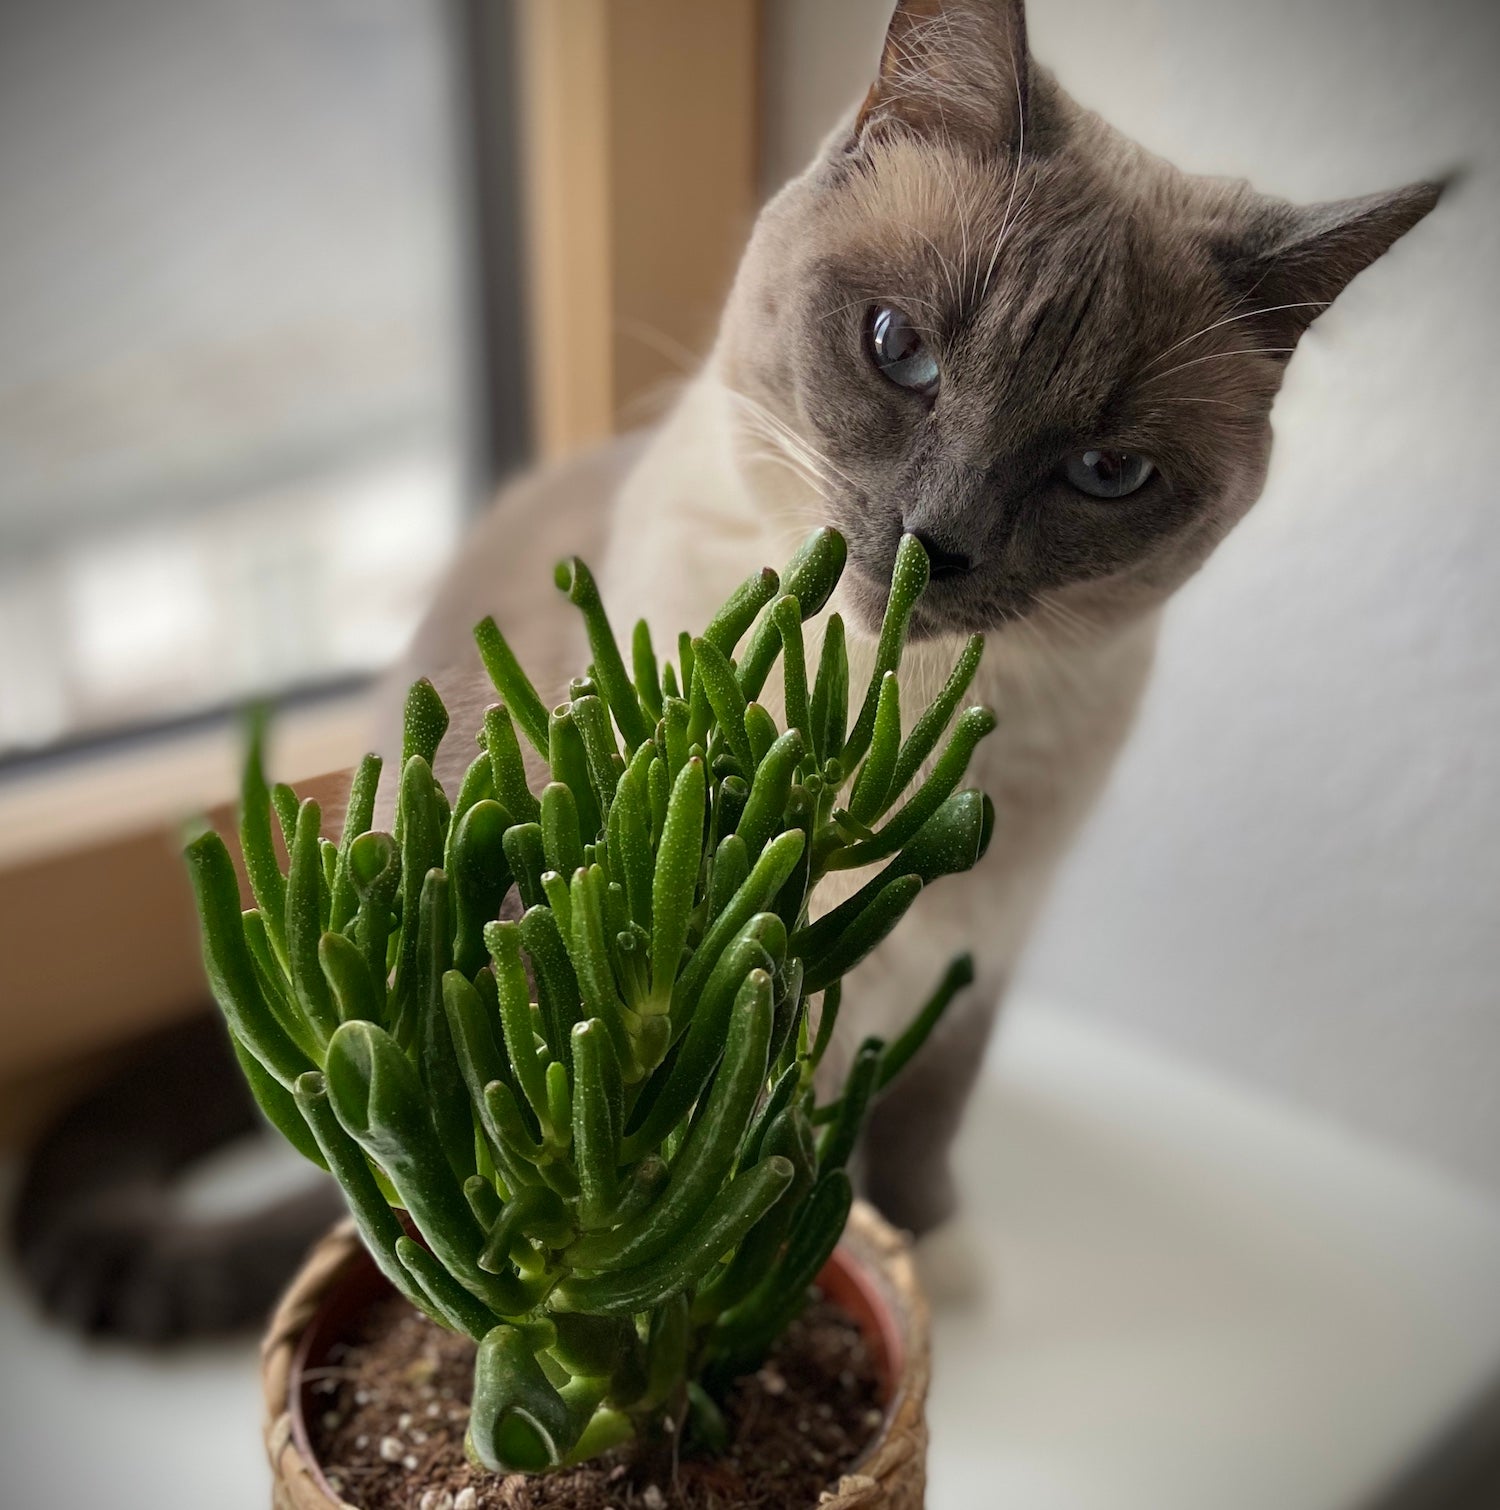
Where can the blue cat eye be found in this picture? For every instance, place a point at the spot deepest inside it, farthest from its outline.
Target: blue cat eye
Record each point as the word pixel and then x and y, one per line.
pixel 1104 473
pixel 899 351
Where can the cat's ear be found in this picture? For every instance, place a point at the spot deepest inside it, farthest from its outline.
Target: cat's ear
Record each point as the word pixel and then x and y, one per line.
pixel 1292 262
pixel 959 69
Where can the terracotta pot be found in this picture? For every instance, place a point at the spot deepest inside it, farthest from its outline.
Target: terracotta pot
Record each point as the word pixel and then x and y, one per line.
pixel 871 1276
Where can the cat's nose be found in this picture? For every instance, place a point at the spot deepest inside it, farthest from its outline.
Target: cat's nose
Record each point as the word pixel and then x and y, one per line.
pixel 946 564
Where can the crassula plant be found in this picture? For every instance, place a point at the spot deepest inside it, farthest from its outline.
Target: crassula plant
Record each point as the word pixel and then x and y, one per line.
pixel 559 1047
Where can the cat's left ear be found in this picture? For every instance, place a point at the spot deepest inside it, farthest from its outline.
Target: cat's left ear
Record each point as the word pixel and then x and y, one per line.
pixel 955 69
pixel 1294 261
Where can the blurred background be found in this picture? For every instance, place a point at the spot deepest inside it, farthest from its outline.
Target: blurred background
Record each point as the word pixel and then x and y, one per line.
pixel 287 287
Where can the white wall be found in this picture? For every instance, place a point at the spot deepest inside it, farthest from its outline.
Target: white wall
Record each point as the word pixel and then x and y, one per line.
pixel 1296 873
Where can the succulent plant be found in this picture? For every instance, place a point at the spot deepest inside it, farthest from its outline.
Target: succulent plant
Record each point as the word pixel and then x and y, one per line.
pixel 559 1049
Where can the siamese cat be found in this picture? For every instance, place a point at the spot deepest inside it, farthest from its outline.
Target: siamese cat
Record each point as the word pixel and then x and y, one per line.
pixel 984 317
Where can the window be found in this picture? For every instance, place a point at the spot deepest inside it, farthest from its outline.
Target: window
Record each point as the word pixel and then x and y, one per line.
pixel 234 397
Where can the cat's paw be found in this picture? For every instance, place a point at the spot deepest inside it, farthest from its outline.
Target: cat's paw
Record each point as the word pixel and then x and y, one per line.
pixel 952 1265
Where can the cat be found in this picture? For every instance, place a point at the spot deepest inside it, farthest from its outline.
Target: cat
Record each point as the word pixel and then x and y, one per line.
pixel 984 317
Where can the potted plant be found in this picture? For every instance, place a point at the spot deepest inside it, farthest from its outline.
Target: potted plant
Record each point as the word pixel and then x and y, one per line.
pixel 560 1049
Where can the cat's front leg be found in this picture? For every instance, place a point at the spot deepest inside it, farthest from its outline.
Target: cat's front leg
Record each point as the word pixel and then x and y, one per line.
pixel 904 1163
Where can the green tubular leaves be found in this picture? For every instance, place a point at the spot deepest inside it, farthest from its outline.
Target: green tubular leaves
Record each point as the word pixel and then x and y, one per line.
pixel 375 863
pixel 354 993
pixel 379 1228
pixel 674 885
pixel 503 940
pixel 790 1137
pixel 929 729
pixel 643 664
pixel 950 842
pixel 231 971
pixel 267 883
pixel 359 814
pixel 872 787
pixel 436 1062
pixel 328 853
pixel 481 877
pixel 864 934
pixel 766 805
pixel 760 730
pixel 591 718
pixel 526 854
pixel 734 793
pixel 787 618
pixel 557 985
pixel 519 1422
pixel 711 1146
pixel 974 724
pixel 483 1073
pixel 590 955
pixel 830 696
pixel 685 660
pixel 789 1012
pixel 746 1332
pixel 484 1202
pixel 420 820
pixel 380 1103
pixel 561 835
pixel 727 627
pixel 304 924
pixel 508 765
pixel 791 900
pixel 629 840
pixel 477 786
pixel 424 723
pixel 278 1105
pixel 594 1346
pixel 733 1213
pixel 449 1303
pixel 575 579
pixel 730 871
pixel 776 864
pixel 667 1344
pixel 838 1140
pixel 810 577
pixel 958 977
pixel 275 986
pixel 569 763
pixel 642 1185
pixel 827 1019
pixel 713 672
pixel 596 1122
pixel 675 720
pixel 705 1038
pixel 513 685
pixel 530 1213
pixel 908 583
pixel 481 1063
pixel 783 1092
pixel 284 805
pixel 516 1136
pixel 560 1100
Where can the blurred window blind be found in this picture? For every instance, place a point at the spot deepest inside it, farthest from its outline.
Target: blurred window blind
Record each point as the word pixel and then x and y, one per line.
pixel 233 407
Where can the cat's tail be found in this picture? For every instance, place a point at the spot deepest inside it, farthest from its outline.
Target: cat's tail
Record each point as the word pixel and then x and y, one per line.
pixel 99 1232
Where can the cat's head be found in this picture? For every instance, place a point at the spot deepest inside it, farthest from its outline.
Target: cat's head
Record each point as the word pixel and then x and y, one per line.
pixel 986 317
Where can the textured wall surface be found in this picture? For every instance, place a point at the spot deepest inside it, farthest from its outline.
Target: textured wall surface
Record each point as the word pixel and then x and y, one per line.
pixel 1295 875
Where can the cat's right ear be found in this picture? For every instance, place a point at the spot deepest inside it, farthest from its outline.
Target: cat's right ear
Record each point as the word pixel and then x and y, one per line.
pixel 1292 261
pixel 958 70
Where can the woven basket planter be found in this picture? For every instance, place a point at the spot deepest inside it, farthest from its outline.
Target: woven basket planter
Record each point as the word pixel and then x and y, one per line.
pixel 871 1276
